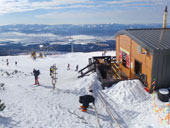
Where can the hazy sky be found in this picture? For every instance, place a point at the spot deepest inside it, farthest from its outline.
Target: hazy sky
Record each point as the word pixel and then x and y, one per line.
pixel 82 11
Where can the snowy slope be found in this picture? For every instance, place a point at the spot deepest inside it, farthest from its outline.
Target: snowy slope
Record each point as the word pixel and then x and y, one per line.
pixel 31 106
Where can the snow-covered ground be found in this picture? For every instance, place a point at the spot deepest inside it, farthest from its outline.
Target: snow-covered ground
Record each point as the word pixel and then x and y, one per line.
pixel 31 106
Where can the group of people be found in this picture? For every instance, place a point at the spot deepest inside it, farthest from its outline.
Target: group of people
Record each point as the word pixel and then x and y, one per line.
pixel 85 100
pixel 68 67
pixel 7 62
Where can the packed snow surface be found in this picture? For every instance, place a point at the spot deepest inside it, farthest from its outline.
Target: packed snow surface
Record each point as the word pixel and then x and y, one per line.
pixel 32 106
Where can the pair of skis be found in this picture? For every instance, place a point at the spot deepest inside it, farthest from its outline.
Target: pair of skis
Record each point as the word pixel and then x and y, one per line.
pixel 2 106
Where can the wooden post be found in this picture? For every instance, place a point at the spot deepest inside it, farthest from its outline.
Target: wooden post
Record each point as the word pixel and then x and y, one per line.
pixel 54 78
pixel 168 118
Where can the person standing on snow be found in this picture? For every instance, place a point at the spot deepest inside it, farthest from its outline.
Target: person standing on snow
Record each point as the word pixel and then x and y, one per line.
pixel 36 74
pixel 15 63
pixel 68 67
pixel 86 100
pixel 7 62
pixel 77 67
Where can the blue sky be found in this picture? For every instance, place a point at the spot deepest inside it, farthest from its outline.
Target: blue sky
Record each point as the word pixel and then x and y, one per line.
pixel 82 11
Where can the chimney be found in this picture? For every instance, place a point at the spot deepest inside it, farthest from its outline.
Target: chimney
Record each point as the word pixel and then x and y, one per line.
pixel 165 18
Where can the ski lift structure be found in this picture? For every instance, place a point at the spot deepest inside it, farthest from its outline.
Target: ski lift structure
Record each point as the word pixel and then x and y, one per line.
pixel 71 40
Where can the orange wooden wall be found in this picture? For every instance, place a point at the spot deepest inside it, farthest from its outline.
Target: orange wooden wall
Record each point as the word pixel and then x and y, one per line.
pixel 126 43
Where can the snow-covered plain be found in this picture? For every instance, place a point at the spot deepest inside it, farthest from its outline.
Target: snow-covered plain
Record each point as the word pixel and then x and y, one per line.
pixel 31 106
pixel 40 38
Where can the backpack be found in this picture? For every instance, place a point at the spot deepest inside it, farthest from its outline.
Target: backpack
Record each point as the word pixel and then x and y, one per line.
pixel 38 72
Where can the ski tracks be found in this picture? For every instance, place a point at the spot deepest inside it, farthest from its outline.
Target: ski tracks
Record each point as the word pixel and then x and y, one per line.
pixel 115 109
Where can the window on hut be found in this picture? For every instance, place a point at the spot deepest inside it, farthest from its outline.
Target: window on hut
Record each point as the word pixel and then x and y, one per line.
pixel 124 59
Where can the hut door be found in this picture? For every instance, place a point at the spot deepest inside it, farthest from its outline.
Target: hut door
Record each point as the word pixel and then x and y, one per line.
pixel 138 67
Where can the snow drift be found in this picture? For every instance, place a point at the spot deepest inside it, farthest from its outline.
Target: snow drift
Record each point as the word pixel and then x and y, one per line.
pixel 128 92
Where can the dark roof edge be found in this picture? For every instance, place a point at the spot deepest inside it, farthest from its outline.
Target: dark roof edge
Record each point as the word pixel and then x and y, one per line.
pixel 136 40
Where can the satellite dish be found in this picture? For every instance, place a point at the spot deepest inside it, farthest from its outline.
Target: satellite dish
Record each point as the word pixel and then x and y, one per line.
pixel 139 49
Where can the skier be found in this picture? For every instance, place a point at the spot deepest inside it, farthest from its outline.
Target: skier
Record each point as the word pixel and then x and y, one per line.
pixel 36 74
pixel 68 67
pixel 77 67
pixel 15 63
pixel 7 62
pixel 86 100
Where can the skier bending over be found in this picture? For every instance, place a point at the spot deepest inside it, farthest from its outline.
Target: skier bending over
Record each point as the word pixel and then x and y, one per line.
pixel 36 74
pixel 86 100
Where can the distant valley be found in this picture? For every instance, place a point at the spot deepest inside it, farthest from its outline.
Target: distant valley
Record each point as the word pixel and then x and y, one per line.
pixel 22 38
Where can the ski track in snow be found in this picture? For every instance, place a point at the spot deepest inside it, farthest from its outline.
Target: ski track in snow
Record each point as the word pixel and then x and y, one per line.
pixel 32 106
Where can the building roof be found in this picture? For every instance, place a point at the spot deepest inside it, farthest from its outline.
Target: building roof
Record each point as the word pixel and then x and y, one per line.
pixel 153 40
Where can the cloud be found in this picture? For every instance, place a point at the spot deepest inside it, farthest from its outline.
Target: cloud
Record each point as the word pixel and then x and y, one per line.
pixel 11 6
pixel 137 1
pixel 76 17
pixel 140 15
pixel 81 11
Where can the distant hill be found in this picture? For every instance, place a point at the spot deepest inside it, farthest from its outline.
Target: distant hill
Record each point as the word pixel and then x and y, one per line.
pixel 68 29
pixel 89 37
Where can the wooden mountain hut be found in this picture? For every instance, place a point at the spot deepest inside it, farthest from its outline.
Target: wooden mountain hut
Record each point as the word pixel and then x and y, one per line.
pixel 145 53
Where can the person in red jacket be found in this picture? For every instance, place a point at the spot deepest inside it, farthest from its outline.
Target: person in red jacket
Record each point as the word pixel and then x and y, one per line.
pixel 36 74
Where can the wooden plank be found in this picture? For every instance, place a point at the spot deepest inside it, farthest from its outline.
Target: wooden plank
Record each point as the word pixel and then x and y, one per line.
pixel 101 61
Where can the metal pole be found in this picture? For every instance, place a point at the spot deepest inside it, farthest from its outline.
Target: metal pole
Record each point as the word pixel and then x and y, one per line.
pixel 108 110
pixel 97 118
pixel 72 47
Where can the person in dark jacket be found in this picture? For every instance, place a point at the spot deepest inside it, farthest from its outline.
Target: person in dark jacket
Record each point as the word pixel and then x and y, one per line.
pixel 36 74
pixel 15 63
pixel 77 67
pixel 68 67
pixel 86 100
